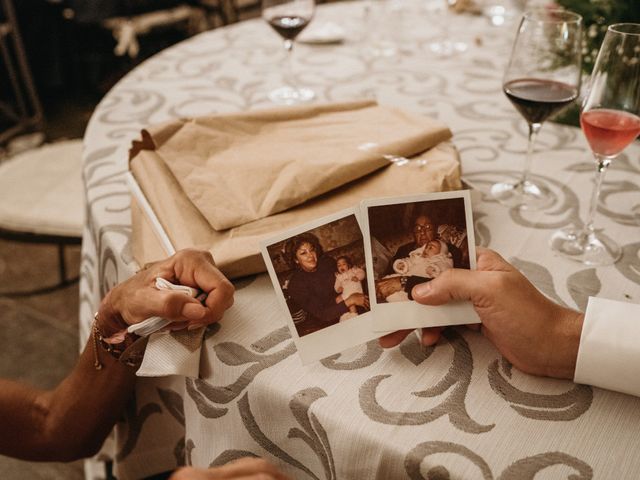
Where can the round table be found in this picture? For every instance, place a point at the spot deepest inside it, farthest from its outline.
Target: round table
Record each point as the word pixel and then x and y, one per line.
pixel 369 413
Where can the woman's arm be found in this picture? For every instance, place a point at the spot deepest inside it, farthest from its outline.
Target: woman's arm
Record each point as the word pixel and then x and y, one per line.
pixel 72 420
pixel 69 422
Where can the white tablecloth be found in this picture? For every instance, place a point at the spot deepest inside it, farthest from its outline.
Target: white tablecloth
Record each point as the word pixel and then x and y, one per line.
pixel 404 413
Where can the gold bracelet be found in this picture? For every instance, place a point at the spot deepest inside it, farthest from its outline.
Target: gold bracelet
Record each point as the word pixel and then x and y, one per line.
pixel 94 337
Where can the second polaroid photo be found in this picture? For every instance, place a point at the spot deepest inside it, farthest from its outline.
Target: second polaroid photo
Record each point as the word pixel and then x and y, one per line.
pixel 412 240
pixel 318 272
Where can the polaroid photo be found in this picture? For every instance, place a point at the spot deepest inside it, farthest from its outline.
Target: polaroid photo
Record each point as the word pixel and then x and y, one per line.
pixel 411 240
pixel 318 273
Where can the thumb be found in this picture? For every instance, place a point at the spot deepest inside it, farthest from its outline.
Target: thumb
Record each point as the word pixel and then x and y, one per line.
pixel 174 306
pixel 453 284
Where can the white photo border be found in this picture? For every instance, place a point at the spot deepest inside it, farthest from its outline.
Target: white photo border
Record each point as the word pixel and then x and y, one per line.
pixel 405 315
pixel 332 339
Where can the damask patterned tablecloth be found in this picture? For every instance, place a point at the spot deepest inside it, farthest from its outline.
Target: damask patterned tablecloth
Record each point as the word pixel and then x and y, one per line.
pixel 368 413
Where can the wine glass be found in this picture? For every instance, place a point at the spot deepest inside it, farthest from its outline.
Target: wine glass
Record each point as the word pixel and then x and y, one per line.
pixel 610 121
pixel 542 77
pixel 445 47
pixel 289 18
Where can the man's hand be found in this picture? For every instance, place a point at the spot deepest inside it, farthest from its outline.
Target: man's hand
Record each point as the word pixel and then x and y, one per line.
pixel 242 469
pixel 533 333
pixel 137 299
pixel 387 286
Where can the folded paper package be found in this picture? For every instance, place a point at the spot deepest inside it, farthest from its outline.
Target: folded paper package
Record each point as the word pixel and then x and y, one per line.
pixel 225 182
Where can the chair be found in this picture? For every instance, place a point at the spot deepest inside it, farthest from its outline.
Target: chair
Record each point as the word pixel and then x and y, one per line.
pixel 244 9
pixel 193 18
pixel 24 113
pixel 42 198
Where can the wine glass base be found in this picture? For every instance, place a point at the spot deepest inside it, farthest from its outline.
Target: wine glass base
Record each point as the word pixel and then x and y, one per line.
pixel 448 48
pixel 291 96
pixel 588 248
pixel 526 195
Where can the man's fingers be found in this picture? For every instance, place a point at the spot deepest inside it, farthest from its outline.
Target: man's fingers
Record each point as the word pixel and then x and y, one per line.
pixel 488 260
pixel 454 284
pixel 431 336
pixel 393 339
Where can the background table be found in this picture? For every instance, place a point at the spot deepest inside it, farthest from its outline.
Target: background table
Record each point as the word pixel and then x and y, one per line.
pixel 369 413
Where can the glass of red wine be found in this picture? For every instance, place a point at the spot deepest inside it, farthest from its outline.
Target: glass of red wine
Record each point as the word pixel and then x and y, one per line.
pixel 289 18
pixel 610 120
pixel 542 77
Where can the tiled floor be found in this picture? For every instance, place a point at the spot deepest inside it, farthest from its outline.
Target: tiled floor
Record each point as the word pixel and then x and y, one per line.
pixel 39 336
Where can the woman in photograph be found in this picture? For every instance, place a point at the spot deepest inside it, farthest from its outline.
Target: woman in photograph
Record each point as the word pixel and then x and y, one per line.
pixel 311 286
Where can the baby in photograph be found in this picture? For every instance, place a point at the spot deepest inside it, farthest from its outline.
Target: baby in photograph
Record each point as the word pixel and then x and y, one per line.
pixel 348 281
pixel 427 261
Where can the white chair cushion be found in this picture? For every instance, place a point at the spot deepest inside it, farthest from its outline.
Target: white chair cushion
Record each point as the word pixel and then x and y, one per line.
pixel 41 190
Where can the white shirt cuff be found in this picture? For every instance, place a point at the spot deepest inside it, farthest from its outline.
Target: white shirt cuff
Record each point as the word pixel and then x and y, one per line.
pixel 609 353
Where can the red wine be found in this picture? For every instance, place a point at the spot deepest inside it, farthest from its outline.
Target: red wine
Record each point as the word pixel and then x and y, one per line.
pixel 536 99
pixel 609 131
pixel 288 26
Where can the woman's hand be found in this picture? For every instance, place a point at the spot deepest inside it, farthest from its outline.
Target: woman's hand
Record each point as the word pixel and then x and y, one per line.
pixel 358 299
pixel 533 333
pixel 137 298
pixel 242 469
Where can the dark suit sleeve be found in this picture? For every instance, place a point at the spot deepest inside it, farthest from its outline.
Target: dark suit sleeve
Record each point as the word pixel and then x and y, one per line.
pixel 456 255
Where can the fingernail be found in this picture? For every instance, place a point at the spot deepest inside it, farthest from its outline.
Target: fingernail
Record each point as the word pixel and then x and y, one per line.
pixel 195 326
pixel 193 311
pixel 422 289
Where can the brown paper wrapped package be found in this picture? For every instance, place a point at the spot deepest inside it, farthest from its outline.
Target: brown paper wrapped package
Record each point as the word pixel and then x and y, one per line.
pixel 367 174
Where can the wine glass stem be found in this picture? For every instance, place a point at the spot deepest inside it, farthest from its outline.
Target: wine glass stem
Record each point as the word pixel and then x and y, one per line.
pixel 603 164
pixel 534 128
pixel 445 25
pixel 288 46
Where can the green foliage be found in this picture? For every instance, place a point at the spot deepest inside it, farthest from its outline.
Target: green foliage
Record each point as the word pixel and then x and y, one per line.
pixel 598 15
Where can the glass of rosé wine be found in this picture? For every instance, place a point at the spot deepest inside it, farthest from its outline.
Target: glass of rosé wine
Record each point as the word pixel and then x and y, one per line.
pixel 610 120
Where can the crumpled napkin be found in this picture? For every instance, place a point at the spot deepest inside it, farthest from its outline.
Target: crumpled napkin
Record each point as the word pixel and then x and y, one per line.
pixel 173 353
pixel 238 168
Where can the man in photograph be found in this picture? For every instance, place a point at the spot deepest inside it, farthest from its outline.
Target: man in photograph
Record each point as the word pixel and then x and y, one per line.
pixel 426 240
